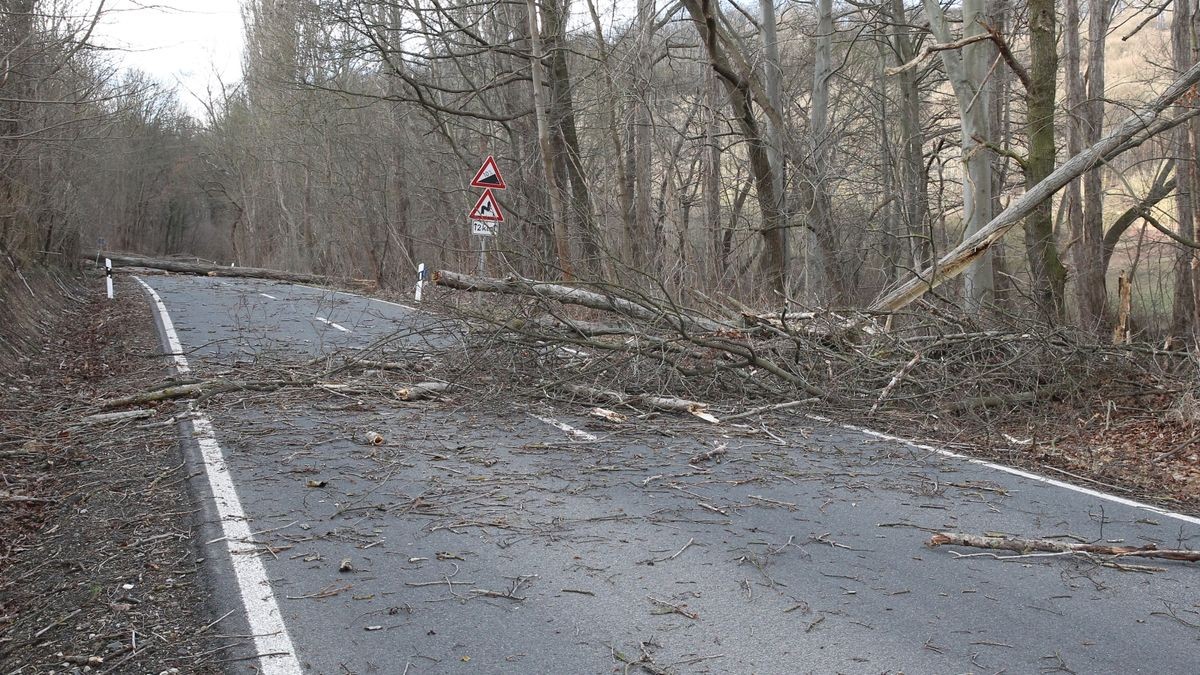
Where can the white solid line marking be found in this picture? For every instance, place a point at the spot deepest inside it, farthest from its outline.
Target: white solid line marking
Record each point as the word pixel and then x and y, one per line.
pixel 267 295
pixel 1013 471
pixel 181 364
pixel 577 433
pixel 334 325
pixel 271 639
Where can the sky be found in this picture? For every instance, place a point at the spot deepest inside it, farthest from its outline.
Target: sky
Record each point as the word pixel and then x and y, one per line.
pixel 183 43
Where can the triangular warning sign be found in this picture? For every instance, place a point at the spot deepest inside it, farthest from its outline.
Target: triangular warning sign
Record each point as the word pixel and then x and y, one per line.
pixel 487 208
pixel 488 176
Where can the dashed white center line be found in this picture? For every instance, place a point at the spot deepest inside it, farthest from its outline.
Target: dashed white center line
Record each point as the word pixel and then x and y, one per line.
pixel 268 295
pixel 334 325
pixel 577 433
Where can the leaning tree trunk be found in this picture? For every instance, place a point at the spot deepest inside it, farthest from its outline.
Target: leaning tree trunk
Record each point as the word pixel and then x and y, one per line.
pixel 738 87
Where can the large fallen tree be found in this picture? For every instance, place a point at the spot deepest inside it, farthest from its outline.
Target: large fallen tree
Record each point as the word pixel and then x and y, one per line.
pixel 202 269
pixel 1142 125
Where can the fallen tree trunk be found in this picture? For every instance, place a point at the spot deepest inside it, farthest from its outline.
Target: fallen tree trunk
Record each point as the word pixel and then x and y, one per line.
pixel 674 317
pixel 202 269
pixel 1050 546
pixel 960 258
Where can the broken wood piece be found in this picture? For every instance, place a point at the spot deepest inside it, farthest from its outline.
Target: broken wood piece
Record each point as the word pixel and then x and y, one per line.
pixel 102 418
pixel 421 391
pixel 1023 546
pixel 771 408
pixel 664 607
pixel 664 403
pixel 896 379
pixel 373 438
pixel 608 415
pixel 709 455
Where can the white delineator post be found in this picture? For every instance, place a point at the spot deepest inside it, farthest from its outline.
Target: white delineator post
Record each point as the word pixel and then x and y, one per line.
pixel 108 277
pixel 420 282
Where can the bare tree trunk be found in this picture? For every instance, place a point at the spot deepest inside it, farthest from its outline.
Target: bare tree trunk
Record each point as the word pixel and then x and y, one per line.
pixel 558 223
pixel 1090 287
pixel 1136 129
pixel 968 72
pixel 1075 95
pixel 1045 267
pixel 640 241
pixel 714 230
pixel 820 215
pixel 562 122
pixel 915 180
pixel 1183 311
pixel 738 87
pixel 773 74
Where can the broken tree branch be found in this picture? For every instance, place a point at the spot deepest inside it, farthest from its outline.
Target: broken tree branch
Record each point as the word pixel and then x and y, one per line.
pixel 1023 546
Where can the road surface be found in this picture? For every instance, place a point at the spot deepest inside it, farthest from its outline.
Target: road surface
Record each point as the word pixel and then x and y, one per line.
pixel 519 537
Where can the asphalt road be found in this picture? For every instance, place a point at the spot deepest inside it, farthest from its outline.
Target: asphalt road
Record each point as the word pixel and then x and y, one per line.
pixel 483 539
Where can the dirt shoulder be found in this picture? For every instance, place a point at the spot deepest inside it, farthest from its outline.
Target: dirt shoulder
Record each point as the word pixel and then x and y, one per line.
pixel 97 567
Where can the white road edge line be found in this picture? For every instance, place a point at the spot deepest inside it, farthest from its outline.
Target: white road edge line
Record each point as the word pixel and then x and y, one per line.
pixel 334 325
pixel 271 638
pixel 268 295
pixel 562 426
pixel 1010 470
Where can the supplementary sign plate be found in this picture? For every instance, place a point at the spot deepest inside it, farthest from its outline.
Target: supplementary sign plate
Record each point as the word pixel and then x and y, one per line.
pixel 483 228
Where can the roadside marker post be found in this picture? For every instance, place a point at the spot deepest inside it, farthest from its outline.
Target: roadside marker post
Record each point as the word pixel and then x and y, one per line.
pixel 108 277
pixel 420 282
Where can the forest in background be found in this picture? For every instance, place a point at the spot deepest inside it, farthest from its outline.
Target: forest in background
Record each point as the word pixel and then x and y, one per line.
pixel 821 154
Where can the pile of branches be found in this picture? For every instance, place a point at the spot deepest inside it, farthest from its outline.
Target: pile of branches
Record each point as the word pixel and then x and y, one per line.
pixel 613 344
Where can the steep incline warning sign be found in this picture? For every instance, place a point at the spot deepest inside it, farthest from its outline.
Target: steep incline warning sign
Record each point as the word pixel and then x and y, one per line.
pixel 488 176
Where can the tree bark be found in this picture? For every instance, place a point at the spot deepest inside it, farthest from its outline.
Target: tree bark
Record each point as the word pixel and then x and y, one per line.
pixel 1183 310
pixel 558 224
pixel 967 72
pixel 1041 250
pixel 1090 285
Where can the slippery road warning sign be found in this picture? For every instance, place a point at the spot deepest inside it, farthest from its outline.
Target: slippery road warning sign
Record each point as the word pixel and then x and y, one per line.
pixel 487 208
pixel 488 176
